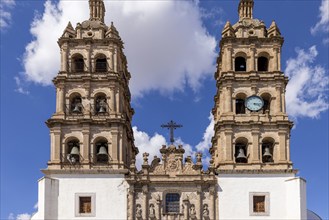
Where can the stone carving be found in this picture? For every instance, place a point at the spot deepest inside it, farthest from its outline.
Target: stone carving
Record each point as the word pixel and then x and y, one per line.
pixel 155 162
pixel 192 212
pixel 205 212
pixel 145 158
pixel 152 211
pixel 139 211
pixel 172 165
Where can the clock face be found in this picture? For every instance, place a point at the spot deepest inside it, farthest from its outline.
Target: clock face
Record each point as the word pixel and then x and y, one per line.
pixel 254 103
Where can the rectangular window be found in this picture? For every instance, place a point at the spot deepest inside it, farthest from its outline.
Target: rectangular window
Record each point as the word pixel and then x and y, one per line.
pixel 259 203
pixel 85 204
pixel 172 203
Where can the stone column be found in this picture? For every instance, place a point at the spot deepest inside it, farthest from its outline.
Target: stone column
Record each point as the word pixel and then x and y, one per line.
pixel 229 58
pixel 199 203
pixel 229 147
pixel 55 143
pixel 283 100
pixel 252 57
pixel 86 151
pixel 282 146
pixel 278 108
pixel 212 208
pixel 279 59
pixel 255 146
pixel 115 60
pixel 229 98
pixel 186 209
pixel 60 99
pixel 145 206
pixel 131 204
pixel 64 58
pixel 159 208
pixel 117 100
pixel 112 100
pixel 114 152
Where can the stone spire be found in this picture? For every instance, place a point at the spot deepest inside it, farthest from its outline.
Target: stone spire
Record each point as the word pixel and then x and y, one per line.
pixel 97 10
pixel 246 9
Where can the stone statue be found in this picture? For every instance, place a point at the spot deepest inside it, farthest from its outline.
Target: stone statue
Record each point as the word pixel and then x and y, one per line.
pixel 152 211
pixel 138 211
pixel 145 158
pixel 205 212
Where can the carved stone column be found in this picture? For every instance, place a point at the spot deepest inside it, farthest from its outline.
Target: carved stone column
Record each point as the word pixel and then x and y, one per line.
pixel 145 206
pixel 282 145
pixel 228 147
pixel 159 208
pixel 186 209
pixel 115 60
pixel 212 211
pixel 85 151
pixel 112 100
pixel 60 99
pixel 199 206
pixel 114 150
pixel 278 108
pixel 55 143
pixel 252 57
pixel 64 58
pixel 255 146
pixel 131 205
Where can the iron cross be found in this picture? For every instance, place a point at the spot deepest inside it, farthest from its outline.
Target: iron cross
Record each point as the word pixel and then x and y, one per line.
pixel 171 126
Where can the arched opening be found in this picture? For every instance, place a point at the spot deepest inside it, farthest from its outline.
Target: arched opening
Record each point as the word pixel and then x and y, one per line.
pixel 241 151
pixel 76 104
pixel 101 63
pixel 267 150
pixel 240 107
pixel 262 64
pixel 267 102
pixel 73 151
pixel 172 202
pixel 240 64
pixel 102 150
pixel 101 103
pixel 78 63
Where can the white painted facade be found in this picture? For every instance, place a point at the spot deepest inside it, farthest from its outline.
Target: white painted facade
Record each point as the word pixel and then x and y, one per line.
pixel 57 196
pixel 286 196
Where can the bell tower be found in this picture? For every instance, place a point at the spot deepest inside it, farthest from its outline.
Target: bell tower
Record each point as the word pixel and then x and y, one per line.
pixel 91 128
pixel 252 129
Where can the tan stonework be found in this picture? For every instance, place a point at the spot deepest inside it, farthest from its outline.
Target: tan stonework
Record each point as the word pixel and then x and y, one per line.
pixel 250 39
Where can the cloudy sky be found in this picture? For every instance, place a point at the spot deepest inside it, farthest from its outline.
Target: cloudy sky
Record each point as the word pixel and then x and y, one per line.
pixel 171 47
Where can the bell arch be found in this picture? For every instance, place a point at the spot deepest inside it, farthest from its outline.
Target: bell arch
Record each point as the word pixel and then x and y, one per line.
pixel 267 98
pixel 241 150
pixel 77 63
pixel 100 103
pixel 240 107
pixel 100 63
pixel 267 149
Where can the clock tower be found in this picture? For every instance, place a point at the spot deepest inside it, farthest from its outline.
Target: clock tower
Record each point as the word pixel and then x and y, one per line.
pixel 251 145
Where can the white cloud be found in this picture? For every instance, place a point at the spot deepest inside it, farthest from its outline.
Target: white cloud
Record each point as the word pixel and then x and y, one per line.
pixel 167 46
pixel 307 90
pixel 5 14
pixel 205 144
pixel 323 24
pixel 24 216
pixel 20 86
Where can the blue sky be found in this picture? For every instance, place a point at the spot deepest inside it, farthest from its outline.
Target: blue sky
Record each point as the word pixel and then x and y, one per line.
pixel 171 48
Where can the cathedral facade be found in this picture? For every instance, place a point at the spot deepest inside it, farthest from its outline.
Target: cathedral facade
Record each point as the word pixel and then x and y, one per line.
pixel 92 174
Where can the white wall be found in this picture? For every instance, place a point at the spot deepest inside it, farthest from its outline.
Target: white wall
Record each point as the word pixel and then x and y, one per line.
pixel 286 195
pixel 57 196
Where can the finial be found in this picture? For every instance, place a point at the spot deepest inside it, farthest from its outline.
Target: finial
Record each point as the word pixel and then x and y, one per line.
pixel 246 9
pixel 97 10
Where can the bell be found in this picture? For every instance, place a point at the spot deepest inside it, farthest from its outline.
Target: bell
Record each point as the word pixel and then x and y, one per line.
pixel 75 151
pixel 102 155
pixel 267 156
pixel 76 109
pixel 241 158
pixel 102 109
pixel 74 155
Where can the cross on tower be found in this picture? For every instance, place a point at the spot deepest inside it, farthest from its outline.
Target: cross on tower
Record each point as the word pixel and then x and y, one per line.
pixel 171 126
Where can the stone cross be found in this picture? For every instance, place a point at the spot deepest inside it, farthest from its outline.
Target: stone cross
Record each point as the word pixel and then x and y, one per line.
pixel 171 126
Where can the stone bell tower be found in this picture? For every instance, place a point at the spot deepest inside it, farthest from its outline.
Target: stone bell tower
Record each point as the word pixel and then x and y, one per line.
pixel 92 144
pixel 251 145
pixel 91 129
pixel 252 129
